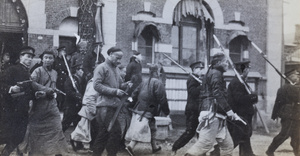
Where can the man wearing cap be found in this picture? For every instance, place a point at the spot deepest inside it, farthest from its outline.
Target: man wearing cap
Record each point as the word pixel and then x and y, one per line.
pixel 107 81
pixel 134 71
pixel 214 111
pixel 17 91
pixel 241 102
pixel 287 107
pixel 192 107
pixel 62 74
pixel 73 98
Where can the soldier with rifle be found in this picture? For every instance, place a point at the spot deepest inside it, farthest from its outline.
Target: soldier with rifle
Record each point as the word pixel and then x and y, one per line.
pixel 241 102
pixel 192 107
pixel 287 107
pixel 17 92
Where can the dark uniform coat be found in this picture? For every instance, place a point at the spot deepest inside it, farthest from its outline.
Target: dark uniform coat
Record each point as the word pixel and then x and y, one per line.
pixel 287 107
pixel 73 102
pixel 62 75
pixel 241 103
pixel 14 117
pixel 191 113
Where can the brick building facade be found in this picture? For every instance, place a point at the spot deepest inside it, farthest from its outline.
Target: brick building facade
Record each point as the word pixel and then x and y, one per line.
pixel 150 26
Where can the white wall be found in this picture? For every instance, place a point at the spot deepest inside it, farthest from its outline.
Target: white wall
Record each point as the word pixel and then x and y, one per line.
pixel 274 50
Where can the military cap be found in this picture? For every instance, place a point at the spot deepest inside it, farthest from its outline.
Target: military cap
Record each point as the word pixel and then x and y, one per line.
pixel 27 50
pixel 242 65
pixel 291 72
pixel 197 64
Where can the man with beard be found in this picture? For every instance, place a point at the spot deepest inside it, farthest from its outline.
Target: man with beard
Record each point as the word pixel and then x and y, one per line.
pixel 17 91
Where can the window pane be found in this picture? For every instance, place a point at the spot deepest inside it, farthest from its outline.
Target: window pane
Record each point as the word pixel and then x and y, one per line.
pixel 146 51
pixel 189 37
pixel 175 36
pixel 188 56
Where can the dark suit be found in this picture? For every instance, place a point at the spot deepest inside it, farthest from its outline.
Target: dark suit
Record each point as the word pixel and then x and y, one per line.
pixel 241 103
pixel 73 102
pixel 191 113
pixel 14 118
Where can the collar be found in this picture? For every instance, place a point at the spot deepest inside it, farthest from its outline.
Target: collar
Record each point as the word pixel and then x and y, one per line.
pixel 24 65
pixel 110 63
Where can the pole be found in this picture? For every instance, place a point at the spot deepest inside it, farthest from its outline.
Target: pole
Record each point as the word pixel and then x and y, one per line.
pixel 197 79
pixel 241 80
pixel 70 75
pixel 264 56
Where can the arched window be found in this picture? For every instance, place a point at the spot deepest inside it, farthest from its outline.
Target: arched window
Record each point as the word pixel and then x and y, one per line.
pixel 147 35
pixel 191 32
pixel 238 48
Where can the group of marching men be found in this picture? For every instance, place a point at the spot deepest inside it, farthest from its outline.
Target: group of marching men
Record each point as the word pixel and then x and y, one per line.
pixel 109 103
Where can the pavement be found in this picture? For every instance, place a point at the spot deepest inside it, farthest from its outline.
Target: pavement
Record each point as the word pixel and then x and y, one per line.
pixel 260 142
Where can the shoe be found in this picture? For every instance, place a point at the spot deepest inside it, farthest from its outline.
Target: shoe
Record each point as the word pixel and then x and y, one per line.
pixel 270 153
pixel 173 153
pixel 129 150
pixel 72 142
pixel 156 150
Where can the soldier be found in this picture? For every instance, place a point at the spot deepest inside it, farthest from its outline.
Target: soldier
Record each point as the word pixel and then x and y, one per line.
pixel 15 107
pixel 62 74
pixel 192 106
pixel 214 111
pixel 287 107
pixel 73 100
pixel 107 81
pixel 241 102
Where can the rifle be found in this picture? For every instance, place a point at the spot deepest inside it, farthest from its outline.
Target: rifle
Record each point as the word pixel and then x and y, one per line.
pixel 264 56
pixel 241 80
pixel 70 75
pixel 196 78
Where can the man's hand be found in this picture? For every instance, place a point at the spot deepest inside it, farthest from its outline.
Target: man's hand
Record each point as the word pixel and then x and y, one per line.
pixel 15 89
pixel 40 94
pixel 121 93
pixel 234 116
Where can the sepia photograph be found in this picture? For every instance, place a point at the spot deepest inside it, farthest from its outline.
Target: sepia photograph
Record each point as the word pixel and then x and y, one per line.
pixel 150 77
